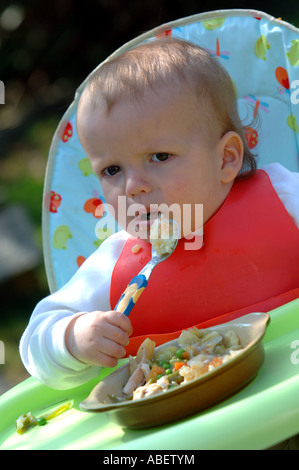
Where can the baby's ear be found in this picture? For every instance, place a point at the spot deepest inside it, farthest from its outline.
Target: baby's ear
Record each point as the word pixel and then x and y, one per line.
pixel 232 151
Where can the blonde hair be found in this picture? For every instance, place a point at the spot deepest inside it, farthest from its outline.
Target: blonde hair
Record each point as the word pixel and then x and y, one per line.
pixel 170 61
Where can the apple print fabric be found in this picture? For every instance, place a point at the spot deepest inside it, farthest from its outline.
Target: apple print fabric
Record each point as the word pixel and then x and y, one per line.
pixel 261 54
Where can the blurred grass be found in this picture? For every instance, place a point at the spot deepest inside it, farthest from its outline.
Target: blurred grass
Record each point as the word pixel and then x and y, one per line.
pixel 22 173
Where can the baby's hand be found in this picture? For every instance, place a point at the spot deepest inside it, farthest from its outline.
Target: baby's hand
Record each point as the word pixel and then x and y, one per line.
pixel 99 338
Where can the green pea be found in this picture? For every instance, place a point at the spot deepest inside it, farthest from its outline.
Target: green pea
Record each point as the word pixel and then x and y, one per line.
pixel 159 376
pixel 173 385
pixel 179 353
pixel 168 371
pixel 41 421
pixel 152 380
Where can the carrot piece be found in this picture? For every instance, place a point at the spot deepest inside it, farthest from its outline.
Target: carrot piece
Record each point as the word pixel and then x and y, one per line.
pixel 178 365
pixel 217 361
pixel 155 371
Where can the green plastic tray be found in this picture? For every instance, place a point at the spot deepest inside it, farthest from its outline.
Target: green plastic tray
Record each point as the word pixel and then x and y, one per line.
pixel 261 415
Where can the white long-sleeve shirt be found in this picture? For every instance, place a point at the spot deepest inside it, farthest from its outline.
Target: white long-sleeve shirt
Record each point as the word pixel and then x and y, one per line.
pixel 42 347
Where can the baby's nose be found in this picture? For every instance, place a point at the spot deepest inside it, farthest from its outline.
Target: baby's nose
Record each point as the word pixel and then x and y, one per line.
pixel 137 183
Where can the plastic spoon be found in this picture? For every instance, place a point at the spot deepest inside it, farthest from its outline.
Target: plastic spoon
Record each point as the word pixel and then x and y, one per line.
pixel 137 285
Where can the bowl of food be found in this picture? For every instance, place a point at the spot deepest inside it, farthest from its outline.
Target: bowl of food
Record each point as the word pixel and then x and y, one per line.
pixel 182 377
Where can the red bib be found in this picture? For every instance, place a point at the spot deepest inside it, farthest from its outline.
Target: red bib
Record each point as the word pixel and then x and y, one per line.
pixel 249 262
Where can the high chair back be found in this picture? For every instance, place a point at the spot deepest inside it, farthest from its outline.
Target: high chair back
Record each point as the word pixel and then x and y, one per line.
pixel 261 54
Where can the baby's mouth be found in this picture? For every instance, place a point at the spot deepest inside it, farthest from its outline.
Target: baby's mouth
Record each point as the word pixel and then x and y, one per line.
pixel 149 216
pixel 144 221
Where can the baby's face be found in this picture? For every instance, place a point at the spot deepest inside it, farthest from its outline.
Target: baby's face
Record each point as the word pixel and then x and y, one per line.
pixel 153 151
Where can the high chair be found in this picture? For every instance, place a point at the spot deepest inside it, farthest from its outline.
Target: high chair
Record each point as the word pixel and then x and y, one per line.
pixel 261 54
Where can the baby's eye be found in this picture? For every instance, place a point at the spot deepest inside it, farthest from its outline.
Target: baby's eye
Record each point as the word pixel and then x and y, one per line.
pixel 111 170
pixel 161 157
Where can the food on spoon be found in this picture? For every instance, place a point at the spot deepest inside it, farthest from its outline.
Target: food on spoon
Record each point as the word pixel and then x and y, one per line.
pixel 197 352
pixel 163 235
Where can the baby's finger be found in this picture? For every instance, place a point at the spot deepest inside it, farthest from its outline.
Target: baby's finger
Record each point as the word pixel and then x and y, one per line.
pixel 100 359
pixel 115 334
pixel 120 320
pixel 110 348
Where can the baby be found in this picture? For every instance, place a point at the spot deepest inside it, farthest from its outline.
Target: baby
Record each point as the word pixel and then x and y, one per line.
pixel 160 125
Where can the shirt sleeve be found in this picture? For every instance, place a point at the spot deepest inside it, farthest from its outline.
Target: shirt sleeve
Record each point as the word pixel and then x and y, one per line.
pixel 286 184
pixel 42 346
